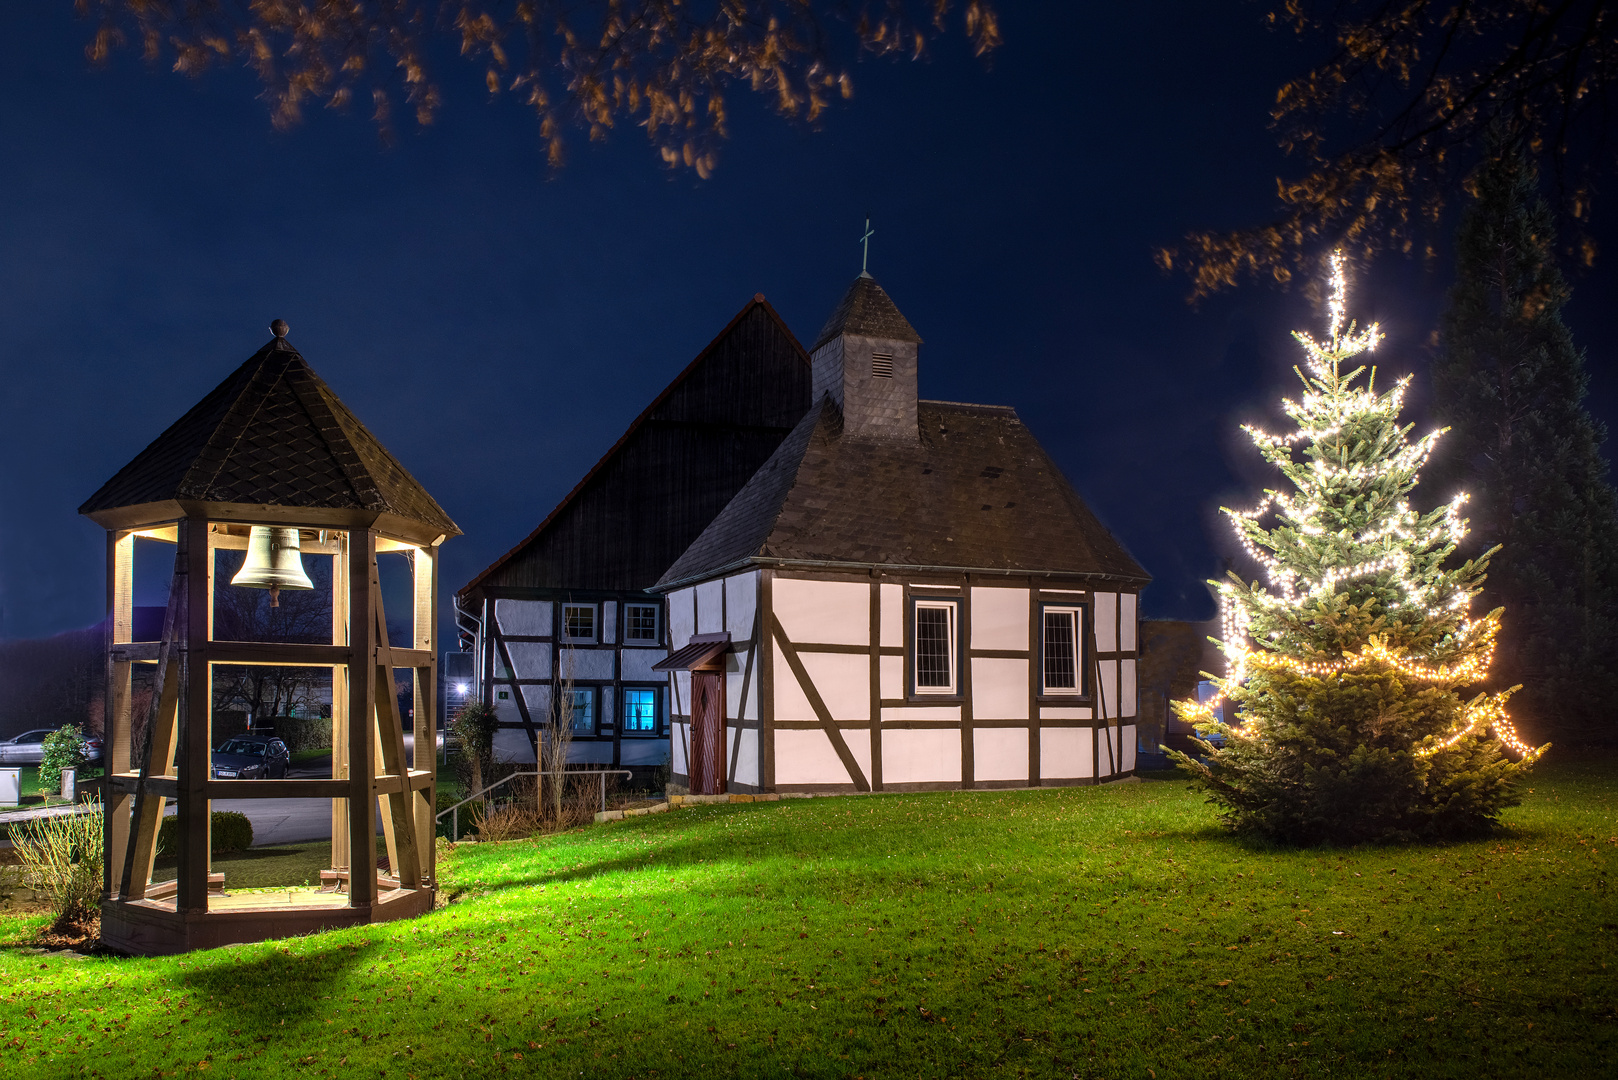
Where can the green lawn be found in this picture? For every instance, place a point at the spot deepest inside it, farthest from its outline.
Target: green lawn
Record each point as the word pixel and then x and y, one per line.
pixel 1105 932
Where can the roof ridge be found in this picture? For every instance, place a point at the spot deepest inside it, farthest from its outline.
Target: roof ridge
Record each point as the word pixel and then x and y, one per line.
pixel 758 301
pixel 1012 409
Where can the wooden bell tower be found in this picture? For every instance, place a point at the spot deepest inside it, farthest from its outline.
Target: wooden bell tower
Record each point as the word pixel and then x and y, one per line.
pixel 271 448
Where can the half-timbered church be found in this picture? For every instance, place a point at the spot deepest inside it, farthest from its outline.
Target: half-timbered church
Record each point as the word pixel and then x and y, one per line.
pixel 793 575
pixel 907 595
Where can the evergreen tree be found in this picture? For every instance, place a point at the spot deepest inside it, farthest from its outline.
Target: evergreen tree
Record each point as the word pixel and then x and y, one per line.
pixel 1353 667
pixel 1511 385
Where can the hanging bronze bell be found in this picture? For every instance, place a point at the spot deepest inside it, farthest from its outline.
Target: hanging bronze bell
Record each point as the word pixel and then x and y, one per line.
pixel 273 563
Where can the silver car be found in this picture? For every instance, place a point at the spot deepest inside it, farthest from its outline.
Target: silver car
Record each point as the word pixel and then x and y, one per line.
pixel 29 748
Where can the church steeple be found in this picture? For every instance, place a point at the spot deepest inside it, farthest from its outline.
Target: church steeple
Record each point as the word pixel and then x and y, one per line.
pixel 865 358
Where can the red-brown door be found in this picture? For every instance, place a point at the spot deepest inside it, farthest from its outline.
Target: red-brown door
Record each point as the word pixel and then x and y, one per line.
pixel 707 733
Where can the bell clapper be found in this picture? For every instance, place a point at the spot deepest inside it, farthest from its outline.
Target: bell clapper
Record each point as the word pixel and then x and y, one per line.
pixel 275 596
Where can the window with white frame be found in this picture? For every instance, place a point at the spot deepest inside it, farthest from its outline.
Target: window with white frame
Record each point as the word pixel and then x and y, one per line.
pixel 1061 652
pixel 640 710
pixel 640 623
pixel 578 622
pixel 581 706
pixel 933 646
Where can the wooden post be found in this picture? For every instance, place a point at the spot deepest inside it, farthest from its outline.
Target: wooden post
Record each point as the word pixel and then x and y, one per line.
pixel 193 714
pixel 340 684
pixel 399 824
pixel 424 758
pixel 116 727
pixel 361 720
pixel 161 738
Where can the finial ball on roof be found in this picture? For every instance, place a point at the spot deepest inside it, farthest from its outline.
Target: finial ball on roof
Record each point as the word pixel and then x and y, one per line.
pixel 279 328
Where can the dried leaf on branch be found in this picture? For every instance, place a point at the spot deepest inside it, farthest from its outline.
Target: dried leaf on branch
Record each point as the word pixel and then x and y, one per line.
pixel 663 65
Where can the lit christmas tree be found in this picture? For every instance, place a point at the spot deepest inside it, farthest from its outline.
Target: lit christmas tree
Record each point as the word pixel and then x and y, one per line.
pixel 1354 666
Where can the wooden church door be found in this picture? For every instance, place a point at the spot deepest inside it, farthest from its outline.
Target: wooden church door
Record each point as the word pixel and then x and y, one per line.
pixel 708 733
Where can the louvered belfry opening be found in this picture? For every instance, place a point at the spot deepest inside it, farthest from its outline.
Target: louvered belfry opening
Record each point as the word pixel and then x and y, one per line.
pixel 280 509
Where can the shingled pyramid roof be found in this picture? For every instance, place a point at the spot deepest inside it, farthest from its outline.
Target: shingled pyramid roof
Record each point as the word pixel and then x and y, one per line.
pixel 271 434
pixel 976 492
pixel 868 311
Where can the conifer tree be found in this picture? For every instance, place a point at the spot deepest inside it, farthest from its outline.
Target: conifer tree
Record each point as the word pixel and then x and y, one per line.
pixel 1511 385
pixel 1354 666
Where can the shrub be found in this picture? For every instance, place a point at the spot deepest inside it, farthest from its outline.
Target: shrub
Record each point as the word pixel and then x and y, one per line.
pixel 232 831
pixel 61 858
pixel 64 749
pixel 304 732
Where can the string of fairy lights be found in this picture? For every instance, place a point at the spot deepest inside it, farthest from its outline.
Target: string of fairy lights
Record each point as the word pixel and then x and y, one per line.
pixel 1400 553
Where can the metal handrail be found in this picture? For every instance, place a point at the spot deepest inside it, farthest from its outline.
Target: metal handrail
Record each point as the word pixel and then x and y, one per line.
pixel 455 811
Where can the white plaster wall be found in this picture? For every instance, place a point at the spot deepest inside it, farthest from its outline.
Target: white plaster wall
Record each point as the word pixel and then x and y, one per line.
pixel 609 621
pixel 681 705
pixel 1128 621
pixel 923 712
pixel 930 755
pixel 643 752
pixel 1066 753
pixel 505 710
pixel 637 664
pixel 710 607
pixel 1106 614
pixel 1063 712
pixel 590 753
pixel 538 700
pixel 893 616
pixel 608 716
pixel 790 702
pixel 531 659
pixel 891 670
pixel 1109 688
pixel 523 618
pixel 587 664
pixel 825 612
pixel 1000 619
pixel 741 605
pixel 745 751
pixel 998 754
pixel 844 682
pixel 679 739
pixel 735 666
pixel 999 687
pixel 806 757
pixel 512 746
pixel 682 616
pixel 1130 736
pixel 1128 705
pixel 1105 765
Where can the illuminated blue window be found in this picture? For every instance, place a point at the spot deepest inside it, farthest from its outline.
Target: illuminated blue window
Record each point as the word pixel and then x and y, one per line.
pixel 640 711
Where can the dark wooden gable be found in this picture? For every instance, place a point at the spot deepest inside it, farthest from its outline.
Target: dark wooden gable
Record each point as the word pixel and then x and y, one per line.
pixel 674 470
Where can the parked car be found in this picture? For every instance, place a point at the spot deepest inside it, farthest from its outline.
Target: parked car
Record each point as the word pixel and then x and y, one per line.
pixel 251 757
pixel 29 748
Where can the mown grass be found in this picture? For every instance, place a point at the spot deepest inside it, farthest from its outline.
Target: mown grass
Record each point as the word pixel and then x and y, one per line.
pixel 29 789
pixel 1107 932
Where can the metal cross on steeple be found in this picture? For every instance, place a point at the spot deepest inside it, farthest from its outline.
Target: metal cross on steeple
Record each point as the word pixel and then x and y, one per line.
pixel 865 256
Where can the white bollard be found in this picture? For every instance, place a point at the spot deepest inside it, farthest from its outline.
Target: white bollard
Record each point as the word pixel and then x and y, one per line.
pixel 10 787
pixel 69 783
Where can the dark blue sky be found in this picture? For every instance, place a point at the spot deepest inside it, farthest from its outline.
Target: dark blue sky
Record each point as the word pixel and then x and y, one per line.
pixel 498 326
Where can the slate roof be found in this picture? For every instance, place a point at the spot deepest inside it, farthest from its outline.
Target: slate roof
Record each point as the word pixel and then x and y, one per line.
pixel 272 433
pixel 866 309
pixel 976 492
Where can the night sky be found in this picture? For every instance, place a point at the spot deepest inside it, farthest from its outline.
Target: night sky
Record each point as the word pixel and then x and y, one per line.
pixel 497 325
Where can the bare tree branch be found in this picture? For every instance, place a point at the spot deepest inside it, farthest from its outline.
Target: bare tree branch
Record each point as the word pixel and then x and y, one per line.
pixel 1397 118
pixel 663 65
